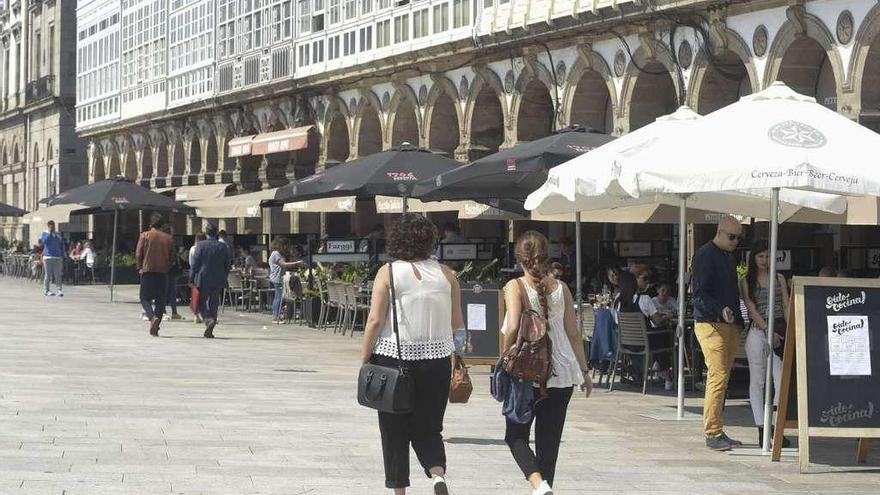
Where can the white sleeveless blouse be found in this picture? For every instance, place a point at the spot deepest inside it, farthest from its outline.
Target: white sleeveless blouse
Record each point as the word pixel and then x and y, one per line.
pixel 566 371
pixel 424 313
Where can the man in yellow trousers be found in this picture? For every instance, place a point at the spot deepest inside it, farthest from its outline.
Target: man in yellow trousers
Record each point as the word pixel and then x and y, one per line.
pixel 718 322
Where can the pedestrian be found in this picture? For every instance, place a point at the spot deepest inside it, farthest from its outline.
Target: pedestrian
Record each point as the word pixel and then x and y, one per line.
pixel 428 308
pixel 194 293
pixel 210 265
pixel 173 275
pixel 718 322
pixel 52 247
pixel 754 290
pixel 552 299
pixel 154 253
pixel 278 264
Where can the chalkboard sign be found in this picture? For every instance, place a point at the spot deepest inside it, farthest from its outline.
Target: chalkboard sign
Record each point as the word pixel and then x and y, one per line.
pixel 483 310
pixel 837 327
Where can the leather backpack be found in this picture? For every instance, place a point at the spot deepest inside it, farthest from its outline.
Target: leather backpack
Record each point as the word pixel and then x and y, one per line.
pixel 529 358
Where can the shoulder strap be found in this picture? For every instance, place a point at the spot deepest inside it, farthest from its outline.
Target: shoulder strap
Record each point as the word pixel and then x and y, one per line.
pixel 523 295
pixel 394 312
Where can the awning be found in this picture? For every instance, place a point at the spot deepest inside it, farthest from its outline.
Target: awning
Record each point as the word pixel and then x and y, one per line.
pixel 238 206
pixel 163 190
pixel 58 214
pixel 344 204
pixel 280 141
pixel 644 214
pixel 240 146
pixel 198 193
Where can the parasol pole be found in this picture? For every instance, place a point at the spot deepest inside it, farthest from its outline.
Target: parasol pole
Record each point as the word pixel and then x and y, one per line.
pixel 113 253
pixel 682 256
pixel 578 284
pixel 771 308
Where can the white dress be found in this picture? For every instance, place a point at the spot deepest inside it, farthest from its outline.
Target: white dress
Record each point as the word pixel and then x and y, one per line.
pixel 566 370
pixel 424 313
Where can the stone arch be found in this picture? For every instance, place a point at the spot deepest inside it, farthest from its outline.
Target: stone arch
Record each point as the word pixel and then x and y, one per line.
pixel 131 167
pixel 864 68
pixel 534 105
pixel 651 86
pixel 16 155
pixel 114 168
pixel 147 162
pixel 162 160
pixel 50 151
pixel 404 117
pixel 804 56
pixel 336 137
pixel 36 155
pixel 99 171
pixel 443 118
pixel 368 125
pixel 195 154
pixel 211 160
pixel 590 96
pixel 486 130
pixel 721 78
pixel 228 161
pixel 178 161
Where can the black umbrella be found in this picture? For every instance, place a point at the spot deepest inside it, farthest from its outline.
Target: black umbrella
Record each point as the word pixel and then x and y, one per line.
pixel 116 194
pixel 387 173
pixel 10 211
pixel 512 173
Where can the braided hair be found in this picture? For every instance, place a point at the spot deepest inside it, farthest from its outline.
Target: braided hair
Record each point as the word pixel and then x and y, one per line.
pixel 532 252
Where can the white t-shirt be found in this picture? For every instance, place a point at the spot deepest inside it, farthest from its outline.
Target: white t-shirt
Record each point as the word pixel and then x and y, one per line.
pixel 646 306
pixel 88 255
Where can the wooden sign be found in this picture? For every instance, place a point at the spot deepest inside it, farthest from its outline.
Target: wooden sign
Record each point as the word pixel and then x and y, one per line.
pixel 834 342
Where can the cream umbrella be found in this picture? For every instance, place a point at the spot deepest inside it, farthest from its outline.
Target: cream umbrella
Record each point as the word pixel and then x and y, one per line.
pixel 773 143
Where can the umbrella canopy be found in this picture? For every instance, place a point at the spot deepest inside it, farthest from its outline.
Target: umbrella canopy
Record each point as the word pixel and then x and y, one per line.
pixel 496 210
pixel 776 138
pixel 10 211
pixel 593 180
pixel 247 205
pixel 387 173
pixel 647 213
pixel 117 194
pixel 339 204
pixel 512 173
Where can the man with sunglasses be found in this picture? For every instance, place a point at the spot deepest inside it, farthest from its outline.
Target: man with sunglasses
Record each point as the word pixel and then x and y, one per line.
pixel 718 323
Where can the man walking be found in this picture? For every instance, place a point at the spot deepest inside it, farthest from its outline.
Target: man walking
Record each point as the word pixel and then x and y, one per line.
pixel 718 321
pixel 53 259
pixel 154 252
pixel 210 265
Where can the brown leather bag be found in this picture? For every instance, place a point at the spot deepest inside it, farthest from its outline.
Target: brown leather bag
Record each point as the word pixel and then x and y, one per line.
pixel 460 386
pixel 529 359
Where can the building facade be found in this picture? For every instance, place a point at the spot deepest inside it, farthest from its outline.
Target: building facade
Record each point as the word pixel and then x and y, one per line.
pixel 40 152
pixel 465 77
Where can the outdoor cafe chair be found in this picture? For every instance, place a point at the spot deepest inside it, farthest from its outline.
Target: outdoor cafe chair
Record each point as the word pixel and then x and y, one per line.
pixel 633 341
pixel 263 291
pixel 236 290
pixel 354 307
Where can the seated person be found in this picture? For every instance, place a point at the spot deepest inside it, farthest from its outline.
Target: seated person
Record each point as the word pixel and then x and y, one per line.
pixel 644 276
pixel 631 301
pixel 665 302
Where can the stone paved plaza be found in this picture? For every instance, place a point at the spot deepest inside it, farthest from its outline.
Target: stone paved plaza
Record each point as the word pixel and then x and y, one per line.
pixel 91 404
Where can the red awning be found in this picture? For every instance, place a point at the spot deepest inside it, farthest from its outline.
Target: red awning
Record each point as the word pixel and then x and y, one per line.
pixel 281 141
pixel 240 146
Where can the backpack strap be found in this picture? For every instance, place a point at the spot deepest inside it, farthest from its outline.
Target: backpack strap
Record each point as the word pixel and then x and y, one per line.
pixel 523 295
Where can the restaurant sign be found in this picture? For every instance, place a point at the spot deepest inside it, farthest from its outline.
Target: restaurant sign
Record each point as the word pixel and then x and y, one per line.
pixel 336 247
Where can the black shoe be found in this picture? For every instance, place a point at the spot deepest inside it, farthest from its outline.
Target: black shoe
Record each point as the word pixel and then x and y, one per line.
pixel 154 326
pixel 209 328
pixel 718 444
pixel 785 441
pixel 440 487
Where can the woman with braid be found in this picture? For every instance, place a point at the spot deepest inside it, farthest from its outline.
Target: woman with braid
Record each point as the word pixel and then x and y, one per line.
pixel 553 300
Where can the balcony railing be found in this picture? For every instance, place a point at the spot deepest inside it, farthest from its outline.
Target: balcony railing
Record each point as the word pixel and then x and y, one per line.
pixel 41 89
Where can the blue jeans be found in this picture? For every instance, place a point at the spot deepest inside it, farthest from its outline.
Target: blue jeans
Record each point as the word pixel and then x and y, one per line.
pixel 276 302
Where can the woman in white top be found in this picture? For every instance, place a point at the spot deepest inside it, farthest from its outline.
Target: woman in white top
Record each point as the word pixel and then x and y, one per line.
pixel 569 366
pixel 88 254
pixel 428 310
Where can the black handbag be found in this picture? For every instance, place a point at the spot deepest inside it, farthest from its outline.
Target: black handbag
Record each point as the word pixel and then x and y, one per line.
pixel 386 388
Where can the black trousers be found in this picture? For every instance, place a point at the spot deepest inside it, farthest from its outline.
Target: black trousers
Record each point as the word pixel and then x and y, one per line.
pixel 422 426
pixel 549 419
pixel 153 291
pixel 171 292
pixel 209 303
